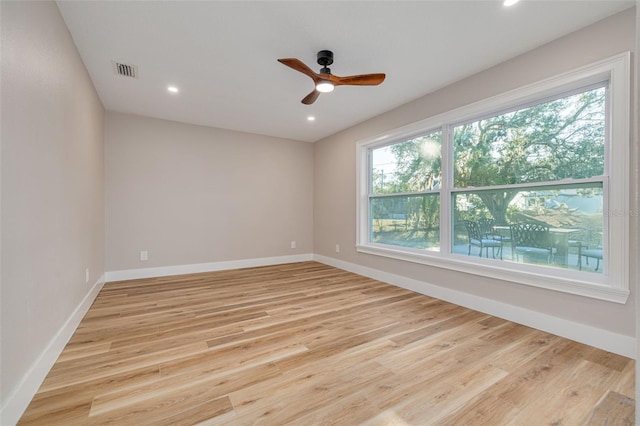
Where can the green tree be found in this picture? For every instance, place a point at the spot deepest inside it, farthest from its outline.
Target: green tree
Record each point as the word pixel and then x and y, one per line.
pixel 550 141
pixel 418 168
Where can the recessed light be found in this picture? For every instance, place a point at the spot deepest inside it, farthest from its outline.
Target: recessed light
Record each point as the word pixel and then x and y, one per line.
pixel 311 118
pixel 172 89
pixel 510 2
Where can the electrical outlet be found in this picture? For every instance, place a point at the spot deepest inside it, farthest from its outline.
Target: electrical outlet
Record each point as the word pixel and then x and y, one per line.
pixel 144 255
pixel 337 248
pixel 293 244
pixel 86 275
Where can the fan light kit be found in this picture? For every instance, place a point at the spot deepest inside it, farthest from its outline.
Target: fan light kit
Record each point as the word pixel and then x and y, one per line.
pixel 325 81
pixel 325 86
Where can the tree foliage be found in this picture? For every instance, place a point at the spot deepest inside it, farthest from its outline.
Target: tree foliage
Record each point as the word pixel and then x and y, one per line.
pixel 417 168
pixel 560 139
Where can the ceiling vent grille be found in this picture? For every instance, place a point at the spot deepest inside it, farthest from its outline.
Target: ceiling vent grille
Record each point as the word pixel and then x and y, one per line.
pixel 125 70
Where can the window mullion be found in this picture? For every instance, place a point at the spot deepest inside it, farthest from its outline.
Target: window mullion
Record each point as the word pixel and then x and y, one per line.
pixel 445 190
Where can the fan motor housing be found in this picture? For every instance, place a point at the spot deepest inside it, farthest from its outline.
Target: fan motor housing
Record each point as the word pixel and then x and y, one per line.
pixel 325 57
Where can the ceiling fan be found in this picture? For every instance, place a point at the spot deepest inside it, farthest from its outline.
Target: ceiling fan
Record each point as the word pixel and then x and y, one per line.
pixel 325 81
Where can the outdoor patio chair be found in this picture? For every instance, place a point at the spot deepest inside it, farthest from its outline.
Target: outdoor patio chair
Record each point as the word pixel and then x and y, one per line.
pixel 486 226
pixel 532 240
pixel 595 253
pixel 579 241
pixel 488 230
pixel 477 239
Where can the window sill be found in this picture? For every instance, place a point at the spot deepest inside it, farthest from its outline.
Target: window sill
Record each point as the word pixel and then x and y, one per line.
pixel 572 283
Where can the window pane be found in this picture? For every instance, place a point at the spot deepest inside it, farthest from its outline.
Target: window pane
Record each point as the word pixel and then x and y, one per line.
pixel 573 216
pixel 550 141
pixel 410 166
pixel 408 221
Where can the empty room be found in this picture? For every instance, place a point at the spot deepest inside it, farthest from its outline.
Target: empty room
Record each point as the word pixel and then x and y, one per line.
pixel 319 212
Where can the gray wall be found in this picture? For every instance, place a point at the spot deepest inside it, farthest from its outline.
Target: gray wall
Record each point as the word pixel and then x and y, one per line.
pixel 192 194
pixel 335 178
pixel 52 183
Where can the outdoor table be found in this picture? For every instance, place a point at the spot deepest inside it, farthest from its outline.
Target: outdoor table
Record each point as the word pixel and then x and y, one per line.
pixel 560 239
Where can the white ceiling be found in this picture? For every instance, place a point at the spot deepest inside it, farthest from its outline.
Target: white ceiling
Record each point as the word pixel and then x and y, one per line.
pixel 222 55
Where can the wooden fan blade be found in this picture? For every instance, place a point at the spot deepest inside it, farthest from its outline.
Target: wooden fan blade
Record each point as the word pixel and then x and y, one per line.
pixel 298 65
pixel 311 97
pixel 359 80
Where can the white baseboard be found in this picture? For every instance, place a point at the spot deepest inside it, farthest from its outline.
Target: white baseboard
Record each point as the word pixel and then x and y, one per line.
pixel 19 400
pixel 592 336
pixel 164 271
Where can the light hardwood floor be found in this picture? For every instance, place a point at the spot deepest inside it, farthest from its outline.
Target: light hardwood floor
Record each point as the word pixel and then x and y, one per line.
pixel 309 344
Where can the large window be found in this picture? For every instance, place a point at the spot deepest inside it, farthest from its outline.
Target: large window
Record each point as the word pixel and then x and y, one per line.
pixel 522 187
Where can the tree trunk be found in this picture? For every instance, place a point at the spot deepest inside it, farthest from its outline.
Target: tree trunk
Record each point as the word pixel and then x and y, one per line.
pixel 497 203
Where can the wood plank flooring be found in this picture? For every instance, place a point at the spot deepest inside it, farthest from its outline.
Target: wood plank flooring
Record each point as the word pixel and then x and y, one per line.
pixel 309 344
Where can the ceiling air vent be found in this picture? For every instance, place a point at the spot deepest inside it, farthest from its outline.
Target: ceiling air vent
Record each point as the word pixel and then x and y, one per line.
pixel 125 70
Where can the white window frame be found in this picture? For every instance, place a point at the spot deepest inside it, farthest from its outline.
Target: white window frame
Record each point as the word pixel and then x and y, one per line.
pixel 613 284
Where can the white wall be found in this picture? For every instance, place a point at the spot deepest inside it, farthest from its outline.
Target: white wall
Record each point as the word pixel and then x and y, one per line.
pixel 52 174
pixel 191 194
pixel 335 180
